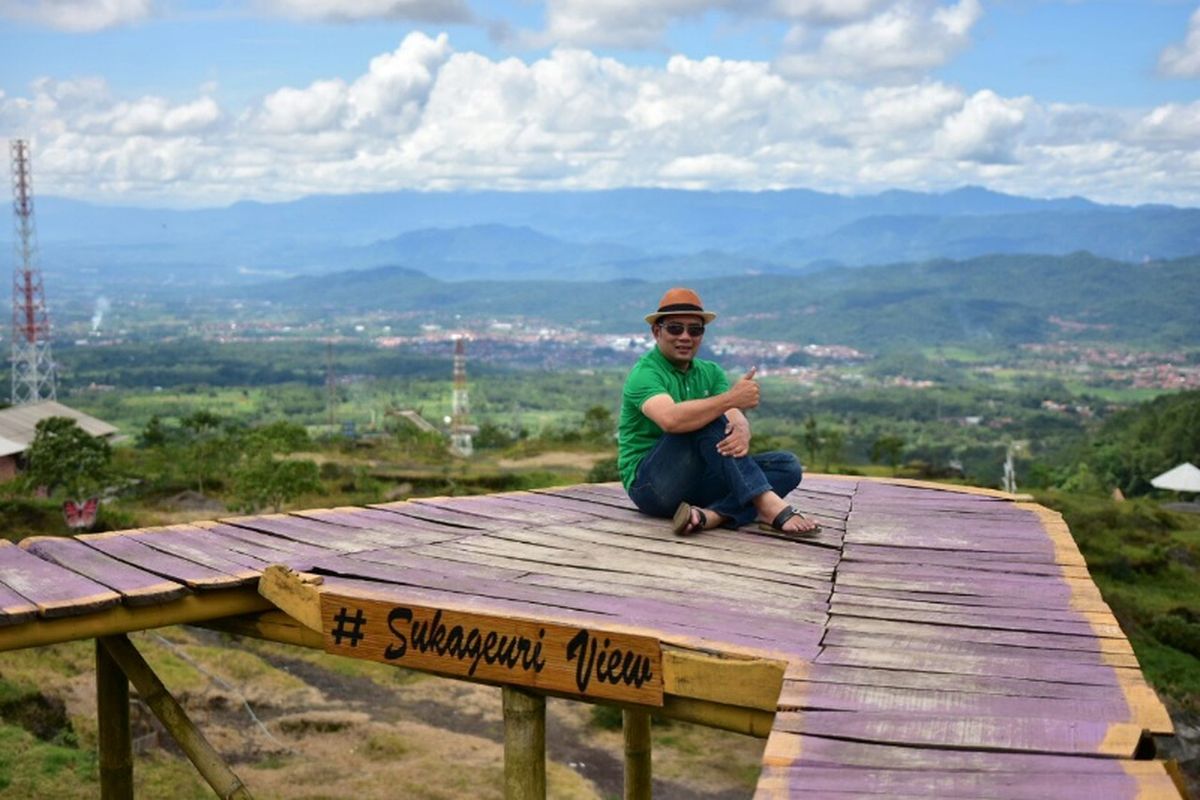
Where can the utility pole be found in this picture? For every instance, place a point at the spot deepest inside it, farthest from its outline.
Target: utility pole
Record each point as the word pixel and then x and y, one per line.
pixel 460 424
pixel 32 366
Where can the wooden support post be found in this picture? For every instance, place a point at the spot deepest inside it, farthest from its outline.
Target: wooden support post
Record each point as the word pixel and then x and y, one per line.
pixel 155 695
pixel 637 754
pixel 524 745
pixel 115 739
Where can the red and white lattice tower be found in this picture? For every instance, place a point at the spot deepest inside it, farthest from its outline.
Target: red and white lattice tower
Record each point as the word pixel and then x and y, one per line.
pixel 460 408
pixel 32 367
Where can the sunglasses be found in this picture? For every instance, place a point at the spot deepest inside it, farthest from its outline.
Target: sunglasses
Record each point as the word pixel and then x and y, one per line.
pixel 677 329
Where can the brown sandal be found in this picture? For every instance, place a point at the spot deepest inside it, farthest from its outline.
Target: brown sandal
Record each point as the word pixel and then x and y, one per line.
pixel 681 523
pixel 776 525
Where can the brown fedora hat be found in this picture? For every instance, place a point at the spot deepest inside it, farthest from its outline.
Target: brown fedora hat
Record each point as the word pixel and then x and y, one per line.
pixel 680 301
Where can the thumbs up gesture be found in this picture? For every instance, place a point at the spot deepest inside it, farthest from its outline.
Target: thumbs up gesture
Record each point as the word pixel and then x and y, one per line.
pixel 745 392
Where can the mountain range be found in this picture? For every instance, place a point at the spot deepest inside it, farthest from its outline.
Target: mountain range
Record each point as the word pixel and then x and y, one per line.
pixel 587 235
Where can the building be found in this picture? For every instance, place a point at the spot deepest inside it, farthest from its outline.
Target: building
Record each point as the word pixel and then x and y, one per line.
pixel 18 425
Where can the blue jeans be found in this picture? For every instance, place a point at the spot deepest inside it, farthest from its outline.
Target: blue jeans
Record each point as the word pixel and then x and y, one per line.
pixel 687 467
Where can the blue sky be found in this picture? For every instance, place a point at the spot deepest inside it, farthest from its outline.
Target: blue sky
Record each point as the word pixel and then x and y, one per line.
pixel 172 102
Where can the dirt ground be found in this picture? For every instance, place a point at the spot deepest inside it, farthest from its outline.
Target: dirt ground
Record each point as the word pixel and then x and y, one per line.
pixel 336 728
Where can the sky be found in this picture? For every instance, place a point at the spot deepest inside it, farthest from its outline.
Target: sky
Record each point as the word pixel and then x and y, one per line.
pixel 192 103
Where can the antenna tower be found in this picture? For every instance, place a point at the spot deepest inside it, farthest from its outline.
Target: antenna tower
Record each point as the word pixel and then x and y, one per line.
pixel 460 426
pixel 32 366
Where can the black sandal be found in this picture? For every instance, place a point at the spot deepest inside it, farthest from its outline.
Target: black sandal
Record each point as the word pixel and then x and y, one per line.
pixel 776 525
pixel 681 523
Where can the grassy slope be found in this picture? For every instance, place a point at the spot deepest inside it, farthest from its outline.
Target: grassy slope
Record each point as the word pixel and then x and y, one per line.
pixel 1146 562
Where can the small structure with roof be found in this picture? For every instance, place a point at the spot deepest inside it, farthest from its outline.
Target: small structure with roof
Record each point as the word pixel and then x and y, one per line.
pixel 1183 478
pixel 18 426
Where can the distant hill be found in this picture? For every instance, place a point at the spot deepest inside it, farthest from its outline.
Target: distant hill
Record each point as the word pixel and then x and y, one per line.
pixel 593 235
pixel 999 300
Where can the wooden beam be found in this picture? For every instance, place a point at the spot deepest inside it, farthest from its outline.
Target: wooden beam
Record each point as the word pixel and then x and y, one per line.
pixel 636 723
pixel 294 593
pixel 114 739
pixel 123 619
pixel 524 745
pixel 154 694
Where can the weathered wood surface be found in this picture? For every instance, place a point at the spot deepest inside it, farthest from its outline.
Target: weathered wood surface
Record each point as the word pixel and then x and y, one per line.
pixel 940 643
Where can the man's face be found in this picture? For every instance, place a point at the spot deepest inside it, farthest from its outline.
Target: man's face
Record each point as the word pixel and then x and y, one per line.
pixel 678 337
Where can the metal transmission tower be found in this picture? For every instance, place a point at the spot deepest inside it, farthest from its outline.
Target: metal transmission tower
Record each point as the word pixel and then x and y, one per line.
pixel 460 426
pixel 32 366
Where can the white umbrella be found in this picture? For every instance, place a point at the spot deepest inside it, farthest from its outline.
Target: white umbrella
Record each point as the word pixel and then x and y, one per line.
pixel 1184 478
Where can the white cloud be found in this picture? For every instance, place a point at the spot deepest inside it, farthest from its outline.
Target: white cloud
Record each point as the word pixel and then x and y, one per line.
pixel 1183 60
pixel 354 10
pixel 985 129
pixel 901 42
pixel 77 15
pixel 425 117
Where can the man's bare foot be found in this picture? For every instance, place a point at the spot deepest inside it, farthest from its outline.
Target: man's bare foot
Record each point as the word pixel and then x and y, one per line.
pixel 691 519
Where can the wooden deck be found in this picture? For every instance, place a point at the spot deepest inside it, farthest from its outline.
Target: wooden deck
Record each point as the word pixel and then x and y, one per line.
pixel 932 643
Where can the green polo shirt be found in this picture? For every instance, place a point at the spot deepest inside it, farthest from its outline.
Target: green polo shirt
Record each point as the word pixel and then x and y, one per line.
pixel 652 375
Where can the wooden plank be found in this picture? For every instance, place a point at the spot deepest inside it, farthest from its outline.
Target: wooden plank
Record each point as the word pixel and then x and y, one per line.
pixel 536 653
pixel 336 538
pixel 952 682
pixel 981 620
pixel 127 548
pixel 55 591
pixel 801 695
pixel 201 546
pixel 136 587
pixel 737 627
pixel 1005 734
pixel 1083 785
pixel 948 604
pixel 952 646
pixel 1013 638
pixel 15 608
pixel 1051 671
pixel 381 527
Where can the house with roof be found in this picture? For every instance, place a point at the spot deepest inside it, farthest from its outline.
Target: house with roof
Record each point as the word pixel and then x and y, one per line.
pixel 18 425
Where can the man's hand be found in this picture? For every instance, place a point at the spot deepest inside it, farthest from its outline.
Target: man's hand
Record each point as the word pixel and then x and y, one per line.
pixel 744 393
pixel 737 438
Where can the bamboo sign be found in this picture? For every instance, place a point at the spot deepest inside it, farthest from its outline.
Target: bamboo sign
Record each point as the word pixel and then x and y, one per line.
pixel 559 658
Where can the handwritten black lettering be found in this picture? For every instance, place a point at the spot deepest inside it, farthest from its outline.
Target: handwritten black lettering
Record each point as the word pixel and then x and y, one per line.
pixel 611 666
pixel 397 650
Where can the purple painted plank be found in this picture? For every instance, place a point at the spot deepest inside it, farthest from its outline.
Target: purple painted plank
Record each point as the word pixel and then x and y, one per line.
pixel 817 751
pixel 203 547
pixel 1050 671
pixel 1006 734
pixel 950 645
pixel 432 512
pixel 128 549
pixel 983 620
pixel 983 604
pixel 860 600
pixel 975 684
pixel 1009 638
pixel 849 697
pixel 336 538
pixel 951 784
pixel 14 608
pixel 647 612
pixel 57 592
pixel 382 528
pixel 135 586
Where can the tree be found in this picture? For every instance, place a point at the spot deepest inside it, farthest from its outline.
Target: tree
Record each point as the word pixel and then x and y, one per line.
pixel 812 439
pixel 263 480
pixel 65 456
pixel 209 452
pixel 598 424
pixel 831 446
pixel 887 448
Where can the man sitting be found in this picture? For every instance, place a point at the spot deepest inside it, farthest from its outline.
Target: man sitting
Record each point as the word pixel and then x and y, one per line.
pixel 683 441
